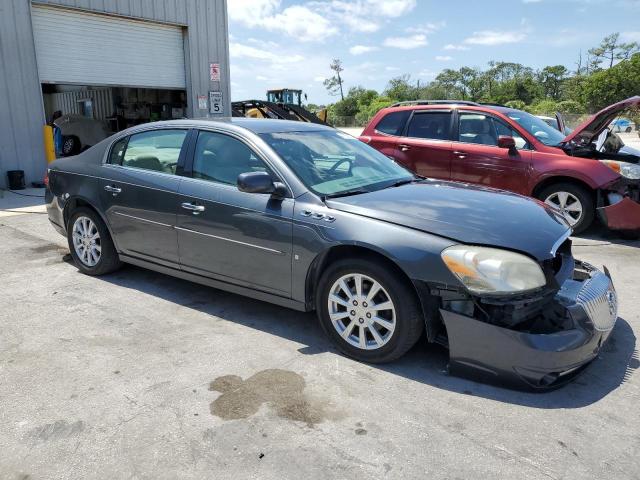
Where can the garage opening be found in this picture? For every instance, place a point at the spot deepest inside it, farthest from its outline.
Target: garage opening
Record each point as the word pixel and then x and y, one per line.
pixel 105 73
pixel 92 113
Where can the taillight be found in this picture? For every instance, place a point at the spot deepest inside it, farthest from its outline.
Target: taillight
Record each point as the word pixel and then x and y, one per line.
pixel 46 180
pixel 365 139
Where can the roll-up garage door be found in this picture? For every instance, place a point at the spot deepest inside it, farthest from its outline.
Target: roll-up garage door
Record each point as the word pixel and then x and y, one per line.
pixel 80 48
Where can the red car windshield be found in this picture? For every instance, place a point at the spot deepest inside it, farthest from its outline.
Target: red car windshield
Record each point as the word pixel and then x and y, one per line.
pixel 537 127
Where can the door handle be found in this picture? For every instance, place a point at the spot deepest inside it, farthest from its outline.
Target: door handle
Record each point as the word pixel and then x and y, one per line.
pixel 404 148
pixel 196 209
pixel 460 154
pixel 113 189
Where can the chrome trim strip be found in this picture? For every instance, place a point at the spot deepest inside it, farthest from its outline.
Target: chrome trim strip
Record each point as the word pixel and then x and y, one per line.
pixel 231 240
pixel 559 242
pixel 144 220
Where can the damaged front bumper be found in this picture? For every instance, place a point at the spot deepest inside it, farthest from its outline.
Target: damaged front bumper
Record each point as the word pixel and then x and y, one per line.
pixel 619 206
pixel 526 360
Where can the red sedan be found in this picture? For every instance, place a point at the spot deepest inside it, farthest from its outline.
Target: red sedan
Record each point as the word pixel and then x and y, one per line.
pixel 588 171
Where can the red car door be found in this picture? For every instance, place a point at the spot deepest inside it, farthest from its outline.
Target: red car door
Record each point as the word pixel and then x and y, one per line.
pixel 426 146
pixel 386 134
pixel 477 158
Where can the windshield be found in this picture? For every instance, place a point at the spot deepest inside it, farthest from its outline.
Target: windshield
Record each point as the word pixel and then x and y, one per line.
pixel 331 163
pixel 537 127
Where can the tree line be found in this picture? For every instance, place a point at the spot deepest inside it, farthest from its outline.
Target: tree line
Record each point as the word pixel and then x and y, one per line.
pixel 608 73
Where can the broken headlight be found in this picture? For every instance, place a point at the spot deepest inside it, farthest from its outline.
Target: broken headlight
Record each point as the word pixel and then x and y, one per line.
pixel 626 169
pixel 493 271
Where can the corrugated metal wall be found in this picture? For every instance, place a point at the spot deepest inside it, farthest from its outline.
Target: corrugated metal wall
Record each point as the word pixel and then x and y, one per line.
pixel 21 114
pixel 67 102
pixel 21 104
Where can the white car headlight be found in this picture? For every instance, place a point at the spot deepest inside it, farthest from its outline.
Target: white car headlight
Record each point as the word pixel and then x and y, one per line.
pixel 491 270
pixel 626 169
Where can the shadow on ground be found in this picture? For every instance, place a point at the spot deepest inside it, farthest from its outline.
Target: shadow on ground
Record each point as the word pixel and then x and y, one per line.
pixel 425 363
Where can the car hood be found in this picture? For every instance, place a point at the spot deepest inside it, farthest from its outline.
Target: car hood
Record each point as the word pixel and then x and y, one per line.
pixel 587 132
pixel 464 213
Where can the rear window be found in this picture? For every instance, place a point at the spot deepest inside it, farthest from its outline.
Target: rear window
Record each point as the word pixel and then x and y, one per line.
pixel 393 123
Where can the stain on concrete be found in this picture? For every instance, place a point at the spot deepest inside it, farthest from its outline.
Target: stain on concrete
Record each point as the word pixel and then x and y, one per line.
pixel 56 430
pixel 282 390
pixel 360 431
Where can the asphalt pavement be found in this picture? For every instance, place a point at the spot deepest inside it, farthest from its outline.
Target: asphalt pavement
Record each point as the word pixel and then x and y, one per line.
pixel 140 375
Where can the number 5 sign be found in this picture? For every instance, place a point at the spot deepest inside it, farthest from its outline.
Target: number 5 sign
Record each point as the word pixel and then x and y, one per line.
pixel 215 103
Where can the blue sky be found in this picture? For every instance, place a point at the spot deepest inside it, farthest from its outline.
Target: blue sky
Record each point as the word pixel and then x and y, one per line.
pixel 286 43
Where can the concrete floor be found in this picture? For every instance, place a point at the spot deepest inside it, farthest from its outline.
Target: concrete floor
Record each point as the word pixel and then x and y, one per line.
pixel 139 375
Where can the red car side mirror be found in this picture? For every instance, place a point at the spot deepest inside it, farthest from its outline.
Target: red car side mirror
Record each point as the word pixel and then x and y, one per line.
pixel 504 141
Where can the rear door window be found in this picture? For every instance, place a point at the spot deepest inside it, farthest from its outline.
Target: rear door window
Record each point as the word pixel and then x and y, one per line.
pixel 157 150
pixel 393 123
pixel 430 125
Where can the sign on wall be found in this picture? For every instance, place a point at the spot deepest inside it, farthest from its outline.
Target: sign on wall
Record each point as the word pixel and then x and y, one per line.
pixel 202 102
pixel 215 103
pixel 214 72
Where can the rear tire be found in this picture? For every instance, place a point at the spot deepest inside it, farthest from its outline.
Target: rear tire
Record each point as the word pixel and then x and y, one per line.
pixel 90 243
pixel 350 318
pixel 574 197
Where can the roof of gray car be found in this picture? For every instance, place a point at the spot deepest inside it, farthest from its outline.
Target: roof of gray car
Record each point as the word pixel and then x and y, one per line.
pixel 255 125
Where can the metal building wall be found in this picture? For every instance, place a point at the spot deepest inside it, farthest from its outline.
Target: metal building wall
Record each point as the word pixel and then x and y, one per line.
pixel 68 102
pixel 21 103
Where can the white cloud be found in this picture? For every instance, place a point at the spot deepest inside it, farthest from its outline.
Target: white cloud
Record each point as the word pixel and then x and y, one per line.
pixel 360 49
pixel 494 37
pixel 451 46
pixel 443 58
pixel 251 12
pixel 427 28
pixel 319 79
pixel 407 43
pixel 364 16
pixel 297 21
pixel 237 50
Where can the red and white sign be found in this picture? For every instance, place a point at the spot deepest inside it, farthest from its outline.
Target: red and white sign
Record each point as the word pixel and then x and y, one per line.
pixel 214 72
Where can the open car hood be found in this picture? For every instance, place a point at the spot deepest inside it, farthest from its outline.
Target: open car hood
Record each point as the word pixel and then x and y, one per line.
pixel 465 213
pixel 589 130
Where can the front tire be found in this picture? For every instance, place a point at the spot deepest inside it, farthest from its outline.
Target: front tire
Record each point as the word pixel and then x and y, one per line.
pixel 70 145
pixel 575 202
pixel 369 311
pixel 90 243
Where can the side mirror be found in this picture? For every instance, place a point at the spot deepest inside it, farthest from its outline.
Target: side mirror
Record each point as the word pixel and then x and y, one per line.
pixel 504 141
pixel 260 182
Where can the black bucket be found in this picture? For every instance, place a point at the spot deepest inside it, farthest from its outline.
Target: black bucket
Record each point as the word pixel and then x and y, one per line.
pixel 16 179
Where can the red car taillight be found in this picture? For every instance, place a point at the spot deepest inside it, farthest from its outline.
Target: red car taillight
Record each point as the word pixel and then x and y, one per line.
pixel 46 180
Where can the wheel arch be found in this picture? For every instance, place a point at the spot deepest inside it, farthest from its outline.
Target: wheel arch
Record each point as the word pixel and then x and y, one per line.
pixel 77 201
pixel 552 179
pixel 428 303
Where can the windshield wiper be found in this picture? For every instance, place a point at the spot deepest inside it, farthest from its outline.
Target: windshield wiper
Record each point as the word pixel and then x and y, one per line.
pixel 406 181
pixel 346 193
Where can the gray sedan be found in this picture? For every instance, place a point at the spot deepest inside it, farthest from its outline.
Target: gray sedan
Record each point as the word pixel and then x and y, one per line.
pixel 310 218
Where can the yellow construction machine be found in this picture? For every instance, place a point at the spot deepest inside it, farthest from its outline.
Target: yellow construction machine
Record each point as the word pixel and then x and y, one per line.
pixel 283 103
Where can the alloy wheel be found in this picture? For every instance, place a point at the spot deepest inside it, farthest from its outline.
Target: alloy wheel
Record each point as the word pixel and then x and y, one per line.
pixel 67 146
pixel 361 311
pixel 86 241
pixel 568 204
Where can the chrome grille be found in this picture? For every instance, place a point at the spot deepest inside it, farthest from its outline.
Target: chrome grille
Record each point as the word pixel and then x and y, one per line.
pixel 598 298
